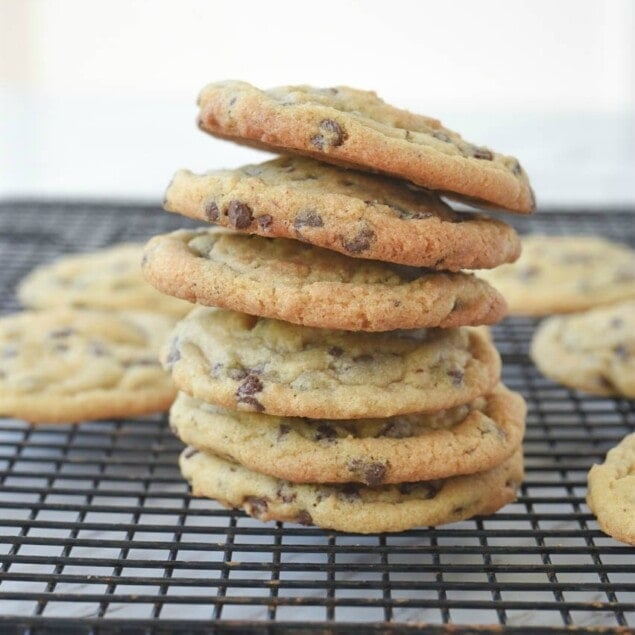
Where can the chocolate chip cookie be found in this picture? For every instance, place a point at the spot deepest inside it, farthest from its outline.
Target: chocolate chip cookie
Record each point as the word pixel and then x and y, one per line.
pixel 106 279
pixel 356 129
pixel 611 495
pixel 66 365
pixel 592 351
pixel 299 283
pixel 349 506
pixel 351 212
pixel 562 274
pixel 256 364
pixel 471 438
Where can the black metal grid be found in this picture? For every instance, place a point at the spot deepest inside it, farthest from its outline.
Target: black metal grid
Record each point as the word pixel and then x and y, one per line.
pixel 98 532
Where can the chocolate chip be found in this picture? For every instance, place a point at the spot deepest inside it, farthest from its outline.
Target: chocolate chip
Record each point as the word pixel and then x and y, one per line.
pixel 283 429
pixel 304 518
pixel 372 473
pixel 216 368
pixel 252 402
pixel 308 218
pixel 256 506
pixel 331 135
pixel 212 213
pixel 361 242
pixel 396 429
pixel 174 354
pixel 64 332
pixel 232 101
pixel 621 352
pixel 457 376
pixel 424 489
pixel 325 432
pixel 250 386
pixel 482 153
pixel 190 452
pixel 336 351
pixel 237 373
pixel 285 497
pixel 239 215
pixel 265 222
pixel 349 492
pixel 441 136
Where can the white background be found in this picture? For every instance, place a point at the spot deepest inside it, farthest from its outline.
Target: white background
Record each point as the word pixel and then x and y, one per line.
pixel 98 98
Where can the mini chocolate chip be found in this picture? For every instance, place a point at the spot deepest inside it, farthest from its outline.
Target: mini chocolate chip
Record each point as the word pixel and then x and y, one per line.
pixel 441 136
pixel 232 101
pixel 265 222
pixel 239 214
pixel 212 213
pixel 237 373
pixel 64 332
pixel 304 518
pixel 361 242
pixel 336 351
pixel 331 135
pixel 349 492
pixel 423 489
pixel 371 473
pixel 174 354
pixel 457 376
pixel 621 352
pixel 256 506
pixel 190 452
pixel 529 272
pixel 283 429
pixel 250 386
pixel 252 402
pixel 325 432
pixel 396 429
pixel 482 153
pixel 285 497
pixel 9 351
pixel 308 218
pixel 216 368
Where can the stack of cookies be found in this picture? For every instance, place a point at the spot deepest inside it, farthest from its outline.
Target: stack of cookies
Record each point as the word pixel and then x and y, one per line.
pixel 339 380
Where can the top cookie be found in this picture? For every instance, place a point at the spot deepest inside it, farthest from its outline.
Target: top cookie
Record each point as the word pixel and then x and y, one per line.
pixel 351 212
pixel 563 274
pixel 611 494
pixel 106 279
pixel 356 129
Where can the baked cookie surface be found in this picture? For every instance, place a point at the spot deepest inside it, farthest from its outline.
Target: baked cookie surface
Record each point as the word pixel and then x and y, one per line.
pixel 611 494
pixel 295 282
pixel 564 274
pixel 462 440
pixel 356 129
pixel 65 365
pixel 106 279
pixel 352 507
pixel 243 362
pixel 592 351
pixel 356 214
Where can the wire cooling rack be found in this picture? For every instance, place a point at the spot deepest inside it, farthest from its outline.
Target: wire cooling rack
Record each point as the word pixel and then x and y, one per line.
pixel 98 533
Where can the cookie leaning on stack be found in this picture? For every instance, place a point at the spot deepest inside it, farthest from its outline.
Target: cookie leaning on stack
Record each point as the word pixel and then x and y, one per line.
pixel 337 382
